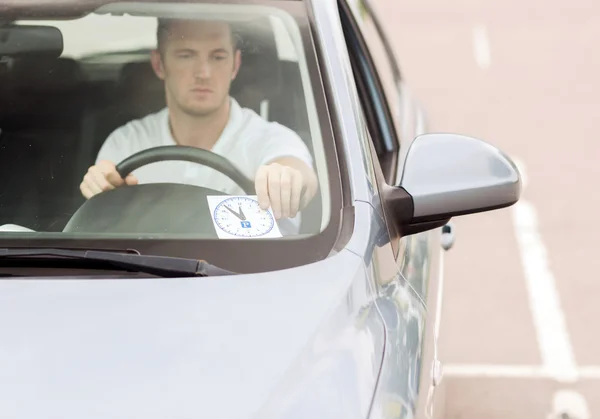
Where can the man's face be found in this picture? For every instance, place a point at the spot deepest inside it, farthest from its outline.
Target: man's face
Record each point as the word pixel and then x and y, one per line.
pixel 198 64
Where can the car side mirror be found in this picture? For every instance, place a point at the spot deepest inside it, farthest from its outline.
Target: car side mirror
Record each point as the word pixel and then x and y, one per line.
pixel 447 175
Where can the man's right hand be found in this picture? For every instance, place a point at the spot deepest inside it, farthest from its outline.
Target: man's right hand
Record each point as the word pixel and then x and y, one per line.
pixel 103 177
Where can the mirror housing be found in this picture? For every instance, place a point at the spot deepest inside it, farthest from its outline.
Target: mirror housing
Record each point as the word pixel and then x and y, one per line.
pixel 448 175
pixel 25 40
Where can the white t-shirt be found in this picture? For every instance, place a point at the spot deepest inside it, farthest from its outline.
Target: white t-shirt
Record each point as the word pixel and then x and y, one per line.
pixel 248 141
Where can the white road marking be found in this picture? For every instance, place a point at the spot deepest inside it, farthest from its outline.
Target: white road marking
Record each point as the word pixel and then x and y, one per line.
pixel 481 46
pixel 548 318
pixel 521 166
pixel 495 371
pixel 437 368
pixel 569 403
pixel 438 304
pixel 513 371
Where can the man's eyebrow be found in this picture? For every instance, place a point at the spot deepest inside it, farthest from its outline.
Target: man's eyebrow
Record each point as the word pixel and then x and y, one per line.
pixel 220 51
pixel 178 50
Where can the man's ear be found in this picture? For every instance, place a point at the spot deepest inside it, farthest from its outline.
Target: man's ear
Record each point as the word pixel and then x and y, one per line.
pixel 237 62
pixel 157 64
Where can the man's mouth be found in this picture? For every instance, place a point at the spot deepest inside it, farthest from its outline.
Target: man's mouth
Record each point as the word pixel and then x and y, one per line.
pixel 201 90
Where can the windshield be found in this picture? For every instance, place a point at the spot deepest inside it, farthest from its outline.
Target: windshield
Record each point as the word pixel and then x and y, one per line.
pixel 193 129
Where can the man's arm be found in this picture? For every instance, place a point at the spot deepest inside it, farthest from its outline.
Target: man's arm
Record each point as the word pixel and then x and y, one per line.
pixel 287 184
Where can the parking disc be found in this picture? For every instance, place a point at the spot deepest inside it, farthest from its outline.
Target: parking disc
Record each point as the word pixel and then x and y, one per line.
pixel 240 217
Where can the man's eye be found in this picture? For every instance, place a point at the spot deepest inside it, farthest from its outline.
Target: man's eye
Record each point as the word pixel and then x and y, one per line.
pixel 220 57
pixel 184 56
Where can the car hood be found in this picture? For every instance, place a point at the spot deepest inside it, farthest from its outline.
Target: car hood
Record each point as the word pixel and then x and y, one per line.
pixel 160 348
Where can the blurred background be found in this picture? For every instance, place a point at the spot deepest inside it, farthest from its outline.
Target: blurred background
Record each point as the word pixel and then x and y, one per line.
pixel 520 332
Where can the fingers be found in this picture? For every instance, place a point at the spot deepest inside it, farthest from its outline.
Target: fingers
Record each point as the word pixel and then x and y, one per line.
pixel 89 183
pixel 131 180
pixel 279 187
pixel 262 187
pixel 274 183
pixel 86 191
pixel 112 176
pixel 310 187
pixel 102 177
pixel 98 180
pixel 297 189
pixel 285 187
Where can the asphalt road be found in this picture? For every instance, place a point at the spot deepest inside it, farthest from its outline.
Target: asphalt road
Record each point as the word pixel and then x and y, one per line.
pixel 520 328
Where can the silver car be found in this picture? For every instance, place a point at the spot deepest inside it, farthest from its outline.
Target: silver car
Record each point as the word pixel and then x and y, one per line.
pixel 136 304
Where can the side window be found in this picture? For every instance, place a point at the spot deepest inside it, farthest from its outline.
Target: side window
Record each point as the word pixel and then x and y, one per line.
pixel 376 78
pixel 384 62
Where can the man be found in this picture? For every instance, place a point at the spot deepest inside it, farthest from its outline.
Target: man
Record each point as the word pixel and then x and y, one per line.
pixel 198 60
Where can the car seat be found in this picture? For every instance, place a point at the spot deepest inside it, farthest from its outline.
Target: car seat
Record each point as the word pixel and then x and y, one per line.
pixel 40 117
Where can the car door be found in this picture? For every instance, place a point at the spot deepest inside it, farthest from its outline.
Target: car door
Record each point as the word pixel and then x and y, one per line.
pixel 393 120
pixel 410 300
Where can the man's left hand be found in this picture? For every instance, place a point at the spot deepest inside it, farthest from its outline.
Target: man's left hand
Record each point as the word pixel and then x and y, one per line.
pixel 287 187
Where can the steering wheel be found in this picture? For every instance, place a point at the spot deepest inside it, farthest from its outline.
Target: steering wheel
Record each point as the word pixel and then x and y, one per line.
pixel 184 153
pixel 157 207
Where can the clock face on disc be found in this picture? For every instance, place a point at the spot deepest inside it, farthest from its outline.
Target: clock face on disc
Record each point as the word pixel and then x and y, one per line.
pixel 241 216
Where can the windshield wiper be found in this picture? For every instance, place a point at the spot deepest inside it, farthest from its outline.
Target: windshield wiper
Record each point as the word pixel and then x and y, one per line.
pixel 163 266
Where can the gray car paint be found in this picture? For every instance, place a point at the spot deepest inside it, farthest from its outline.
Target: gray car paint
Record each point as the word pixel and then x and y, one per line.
pixel 178 348
pixel 351 336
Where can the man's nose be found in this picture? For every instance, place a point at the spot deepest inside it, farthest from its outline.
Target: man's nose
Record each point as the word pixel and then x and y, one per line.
pixel 202 69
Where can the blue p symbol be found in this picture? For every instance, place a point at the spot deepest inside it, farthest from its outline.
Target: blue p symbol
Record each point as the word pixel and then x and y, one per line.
pixel 246 224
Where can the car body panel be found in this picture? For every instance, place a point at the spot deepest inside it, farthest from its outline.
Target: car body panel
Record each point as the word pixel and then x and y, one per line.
pixel 408 289
pixel 158 348
pixel 408 299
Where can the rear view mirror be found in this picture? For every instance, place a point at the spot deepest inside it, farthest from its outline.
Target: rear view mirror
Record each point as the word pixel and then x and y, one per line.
pixel 29 39
pixel 447 175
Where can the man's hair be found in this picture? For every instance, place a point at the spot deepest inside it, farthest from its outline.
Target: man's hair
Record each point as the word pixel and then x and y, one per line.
pixel 164 28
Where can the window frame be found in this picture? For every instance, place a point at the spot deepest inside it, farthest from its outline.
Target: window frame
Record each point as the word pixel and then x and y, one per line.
pixel 374 101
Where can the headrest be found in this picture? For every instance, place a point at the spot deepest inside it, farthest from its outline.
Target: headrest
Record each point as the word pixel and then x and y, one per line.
pixel 45 74
pixel 259 76
pixel 260 61
pixel 142 90
pixel 140 77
